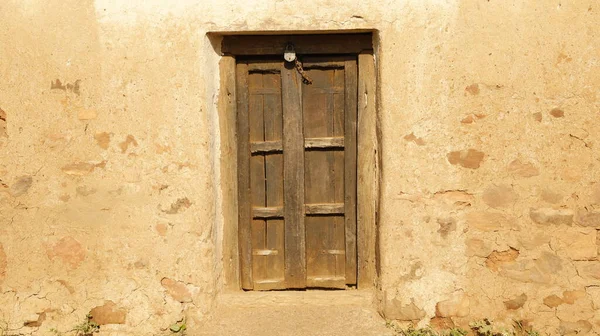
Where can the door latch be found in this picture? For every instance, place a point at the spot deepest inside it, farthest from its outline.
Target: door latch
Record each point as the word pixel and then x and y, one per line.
pixel 289 55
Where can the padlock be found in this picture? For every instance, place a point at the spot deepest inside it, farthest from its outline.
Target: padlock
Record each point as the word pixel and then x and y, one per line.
pixel 289 54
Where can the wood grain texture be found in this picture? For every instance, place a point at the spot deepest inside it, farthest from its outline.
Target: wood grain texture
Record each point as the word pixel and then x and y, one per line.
pixel 293 152
pixel 350 158
pixel 243 161
pixel 323 112
pixel 367 171
pixel 304 44
pixel 229 172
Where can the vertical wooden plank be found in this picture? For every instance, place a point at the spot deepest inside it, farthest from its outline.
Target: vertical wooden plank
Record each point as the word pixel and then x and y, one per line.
pixel 293 158
pixel 244 209
pixel 273 129
pixel 317 110
pixel 338 171
pixel 229 172
pixel 351 90
pixel 367 170
pixel 257 177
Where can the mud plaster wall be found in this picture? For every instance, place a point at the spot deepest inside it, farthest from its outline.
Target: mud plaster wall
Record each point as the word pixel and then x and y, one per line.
pixel 109 147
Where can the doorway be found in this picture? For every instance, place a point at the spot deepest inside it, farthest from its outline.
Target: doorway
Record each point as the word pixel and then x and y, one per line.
pixel 297 172
pixel 299 161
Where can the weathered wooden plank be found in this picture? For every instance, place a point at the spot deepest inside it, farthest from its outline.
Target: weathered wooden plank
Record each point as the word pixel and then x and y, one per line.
pixel 330 90
pixel 323 118
pixel 265 252
pixel 243 161
pixel 293 156
pixel 325 142
pixel 264 66
pixel 326 282
pixel 267 212
pixel 264 90
pixel 367 171
pixel 350 158
pixel 303 44
pixel 274 176
pixel 229 172
pixel 257 174
pixel 325 209
pixel 263 147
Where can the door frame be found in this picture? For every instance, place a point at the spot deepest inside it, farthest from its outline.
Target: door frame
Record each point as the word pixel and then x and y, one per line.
pixel 368 161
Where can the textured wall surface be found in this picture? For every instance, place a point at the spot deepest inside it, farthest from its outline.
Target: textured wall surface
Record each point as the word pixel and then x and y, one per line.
pixel 109 155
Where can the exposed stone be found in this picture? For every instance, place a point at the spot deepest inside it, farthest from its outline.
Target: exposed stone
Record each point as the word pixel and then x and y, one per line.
pixel 581 309
pixel 457 306
pixel 103 139
pixel 522 169
pixel 516 303
pixel 570 297
pixel 21 185
pixel 471 118
pixel 550 196
pixel 68 250
pixel 547 216
pixel 177 289
pixel 82 168
pixel 36 323
pixel 499 196
pixel 161 228
pixel 596 193
pixel 588 218
pixel 553 301
pixel 473 89
pixel 179 205
pixel 576 243
pixel 456 198
pixel 588 269
pixel 87 114
pixel 130 140
pixel 477 247
pixel 415 139
pixel 467 158
pixel 441 323
pixel 3 124
pixel 557 113
pixel 108 313
pixel 539 270
pixel 447 225
pixel 489 221
pixel 594 293
pixel 85 191
pixel 395 310
pixel 580 327
pixel 3 263
pixel 499 258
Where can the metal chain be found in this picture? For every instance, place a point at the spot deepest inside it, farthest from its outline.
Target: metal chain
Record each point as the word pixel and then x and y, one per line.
pixel 305 77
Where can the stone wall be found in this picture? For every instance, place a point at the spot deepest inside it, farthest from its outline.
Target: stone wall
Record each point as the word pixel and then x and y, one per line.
pixel 109 146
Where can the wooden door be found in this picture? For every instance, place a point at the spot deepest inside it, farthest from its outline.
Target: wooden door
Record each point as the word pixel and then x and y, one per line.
pixel 297 173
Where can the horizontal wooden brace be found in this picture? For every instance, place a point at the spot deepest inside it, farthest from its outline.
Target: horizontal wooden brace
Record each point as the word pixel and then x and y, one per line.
pixel 257 91
pixel 335 252
pixel 266 147
pixel 267 212
pixel 268 281
pixel 329 90
pixel 265 252
pixel 310 44
pixel 270 67
pixel 325 209
pixel 330 142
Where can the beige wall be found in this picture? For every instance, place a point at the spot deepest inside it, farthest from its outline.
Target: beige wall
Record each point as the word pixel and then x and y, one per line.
pixel 110 184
